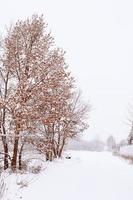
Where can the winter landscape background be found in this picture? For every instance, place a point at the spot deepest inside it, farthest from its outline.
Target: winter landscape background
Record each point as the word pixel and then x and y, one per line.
pixel 97 164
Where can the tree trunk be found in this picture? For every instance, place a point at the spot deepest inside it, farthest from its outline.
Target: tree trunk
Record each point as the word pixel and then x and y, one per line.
pixel 5 147
pixel 14 157
pixel 20 157
pixel 2 125
pixel 55 152
pixel 61 149
pixel 58 143
pixel 51 156
pixel 6 164
pixel 15 151
pixel 47 156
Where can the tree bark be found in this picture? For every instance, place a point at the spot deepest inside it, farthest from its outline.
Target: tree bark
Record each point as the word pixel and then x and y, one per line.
pixel 15 150
pixel 5 147
pixel 6 164
pixel 20 157
pixel 4 138
pixel 14 157
pixel 61 149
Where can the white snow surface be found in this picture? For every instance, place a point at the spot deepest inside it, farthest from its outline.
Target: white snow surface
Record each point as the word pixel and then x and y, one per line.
pixel 126 151
pixel 86 176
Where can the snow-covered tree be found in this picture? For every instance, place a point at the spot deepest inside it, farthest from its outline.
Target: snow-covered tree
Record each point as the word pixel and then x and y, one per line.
pixel 39 104
pixel 111 143
pixel 130 136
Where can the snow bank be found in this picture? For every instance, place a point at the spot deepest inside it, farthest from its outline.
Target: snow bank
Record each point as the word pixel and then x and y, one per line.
pixel 126 151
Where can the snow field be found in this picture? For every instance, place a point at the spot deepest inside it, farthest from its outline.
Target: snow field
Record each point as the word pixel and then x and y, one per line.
pixel 87 175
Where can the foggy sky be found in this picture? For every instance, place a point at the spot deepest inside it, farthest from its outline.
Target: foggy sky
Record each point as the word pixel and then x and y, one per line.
pixel 98 38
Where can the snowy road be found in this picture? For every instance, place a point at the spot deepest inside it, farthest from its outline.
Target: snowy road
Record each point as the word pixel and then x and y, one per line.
pixel 86 176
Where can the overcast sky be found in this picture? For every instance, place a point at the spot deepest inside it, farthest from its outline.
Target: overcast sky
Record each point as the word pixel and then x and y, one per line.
pixel 98 38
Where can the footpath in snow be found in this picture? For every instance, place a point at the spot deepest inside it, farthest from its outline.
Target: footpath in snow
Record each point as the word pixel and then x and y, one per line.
pixel 86 176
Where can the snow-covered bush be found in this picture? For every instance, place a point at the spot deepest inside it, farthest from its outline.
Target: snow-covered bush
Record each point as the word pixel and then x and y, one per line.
pixel 36 169
pixel 123 143
pixel 126 151
pixel 2 186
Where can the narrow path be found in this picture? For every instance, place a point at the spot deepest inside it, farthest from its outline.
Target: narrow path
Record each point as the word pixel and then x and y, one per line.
pixel 86 176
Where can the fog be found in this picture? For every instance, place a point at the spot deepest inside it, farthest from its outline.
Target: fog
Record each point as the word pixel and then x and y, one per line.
pixel 98 38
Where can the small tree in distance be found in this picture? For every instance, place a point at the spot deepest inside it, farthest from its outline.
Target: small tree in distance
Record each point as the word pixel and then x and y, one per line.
pixel 111 143
pixel 130 136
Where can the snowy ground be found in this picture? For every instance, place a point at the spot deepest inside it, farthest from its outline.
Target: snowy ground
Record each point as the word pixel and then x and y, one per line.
pixel 87 176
